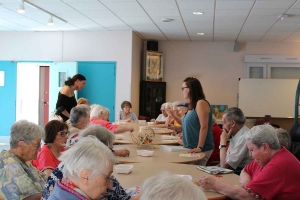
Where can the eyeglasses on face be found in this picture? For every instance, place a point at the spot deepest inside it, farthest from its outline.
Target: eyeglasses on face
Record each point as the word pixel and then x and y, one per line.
pixel 38 146
pixel 109 179
pixel 182 88
pixel 63 134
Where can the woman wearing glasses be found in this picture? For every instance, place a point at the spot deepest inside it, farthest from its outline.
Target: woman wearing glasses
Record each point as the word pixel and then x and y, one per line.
pixel 56 135
pixel 197 122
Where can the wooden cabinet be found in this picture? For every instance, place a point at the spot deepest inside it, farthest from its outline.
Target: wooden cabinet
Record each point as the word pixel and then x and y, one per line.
pixel 152 96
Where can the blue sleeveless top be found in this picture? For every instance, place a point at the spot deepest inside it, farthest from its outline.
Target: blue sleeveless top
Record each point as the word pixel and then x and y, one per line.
pixel 190 131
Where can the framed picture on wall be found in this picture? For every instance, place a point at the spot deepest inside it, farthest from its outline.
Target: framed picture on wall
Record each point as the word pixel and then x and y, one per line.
pixel 154 66
pixel 218 110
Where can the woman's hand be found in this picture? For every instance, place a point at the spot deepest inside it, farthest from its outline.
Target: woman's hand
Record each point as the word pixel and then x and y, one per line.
pixel 180 142
pixel 122 152
pixel 195 150
pixel 207 182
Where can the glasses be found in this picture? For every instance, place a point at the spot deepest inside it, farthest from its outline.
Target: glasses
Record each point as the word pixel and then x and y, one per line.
pixel 182 88
pixel 38 146
pixel 63 134
pixel 109 179
pixel 162 110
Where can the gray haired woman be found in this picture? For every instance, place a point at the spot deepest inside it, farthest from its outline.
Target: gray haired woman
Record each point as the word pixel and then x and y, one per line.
pixel 19 179
pixel 87 171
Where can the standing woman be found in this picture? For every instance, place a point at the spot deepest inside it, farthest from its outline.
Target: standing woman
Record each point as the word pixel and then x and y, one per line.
pixel 126 113
pixel 66 97
pixel 197 122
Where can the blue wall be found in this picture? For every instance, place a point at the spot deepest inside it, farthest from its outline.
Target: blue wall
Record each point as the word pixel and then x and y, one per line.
pixel 8 97
pixel 100 85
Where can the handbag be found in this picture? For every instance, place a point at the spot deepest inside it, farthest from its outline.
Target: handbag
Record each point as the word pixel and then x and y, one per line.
pixel 295 129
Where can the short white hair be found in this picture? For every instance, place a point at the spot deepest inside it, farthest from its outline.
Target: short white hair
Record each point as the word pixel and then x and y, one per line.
pixel 87 154
pixel 166 186
pixel 97 109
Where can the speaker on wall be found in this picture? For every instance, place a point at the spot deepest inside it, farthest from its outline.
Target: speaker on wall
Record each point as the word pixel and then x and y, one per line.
pixel 152 45
pixel 236 46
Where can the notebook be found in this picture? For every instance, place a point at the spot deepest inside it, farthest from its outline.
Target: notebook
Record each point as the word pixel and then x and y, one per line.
pixel 214 169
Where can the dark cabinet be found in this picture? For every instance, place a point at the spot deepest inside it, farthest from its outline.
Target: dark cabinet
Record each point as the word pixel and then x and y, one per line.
pixel 152 96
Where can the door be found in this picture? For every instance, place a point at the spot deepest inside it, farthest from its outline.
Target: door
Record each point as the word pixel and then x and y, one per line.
pixel 44 96
pixel 7 101
pixel 58 73
pixel 100 87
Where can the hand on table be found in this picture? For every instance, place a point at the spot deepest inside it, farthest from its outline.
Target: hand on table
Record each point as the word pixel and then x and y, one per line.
pixel 207 182
pixel 122 152
pixel 195 150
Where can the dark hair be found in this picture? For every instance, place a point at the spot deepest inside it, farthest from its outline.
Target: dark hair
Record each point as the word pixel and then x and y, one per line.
pixel 52 128
pixel 196 92
pixel 71 81
pixel 126 103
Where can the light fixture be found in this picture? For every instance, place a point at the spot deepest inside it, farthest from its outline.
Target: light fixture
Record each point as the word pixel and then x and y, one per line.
pixel 45 11
pixel 21 8
pixel 50 22
pixel 198 13
pixel 200 33
pixel 282 16
pixel 167 20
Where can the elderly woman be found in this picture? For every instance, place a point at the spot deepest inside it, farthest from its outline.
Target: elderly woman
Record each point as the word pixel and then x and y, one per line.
pixel 170 187
pixel 107 138
pixel 273 174
pixel 79 119
pixel 56 135
pixel 100 115
pixel 19 179
pixel 87 171
pixel 126 113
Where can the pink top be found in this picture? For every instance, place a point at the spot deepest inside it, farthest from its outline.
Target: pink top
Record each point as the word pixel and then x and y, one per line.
pixel 45 159
pixel 105 124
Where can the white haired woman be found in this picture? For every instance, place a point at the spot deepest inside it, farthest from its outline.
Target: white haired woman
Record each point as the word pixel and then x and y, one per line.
pixel 19 179
pixel 100 115
pixel 107 138
pixel 166 186
pixel 273 174
pixel 87 171
pixel 79 119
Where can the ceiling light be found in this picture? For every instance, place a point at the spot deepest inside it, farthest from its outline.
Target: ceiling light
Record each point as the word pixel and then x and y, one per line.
pixel 200 33
pixel 21 8
pixel 198 13
pixel 167 20
pixel 282 16
pixel 50 22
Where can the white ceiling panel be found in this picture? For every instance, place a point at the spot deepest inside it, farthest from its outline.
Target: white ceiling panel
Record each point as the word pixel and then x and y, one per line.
pixel 274 4
pixel 196 5
pixel 87 6
pixel 252 20
pixel 130 5
pixel 234 5
pixel 159 5
pixel 295 37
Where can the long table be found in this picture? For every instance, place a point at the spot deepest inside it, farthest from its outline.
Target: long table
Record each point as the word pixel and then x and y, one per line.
pixel 142 171
pixel 159 155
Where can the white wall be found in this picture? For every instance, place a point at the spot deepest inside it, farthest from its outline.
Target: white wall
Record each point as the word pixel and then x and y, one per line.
pixel 137 50
pixel 215 64
pixel 75 46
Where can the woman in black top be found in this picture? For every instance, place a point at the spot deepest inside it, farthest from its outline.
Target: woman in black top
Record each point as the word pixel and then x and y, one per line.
pixel 66 97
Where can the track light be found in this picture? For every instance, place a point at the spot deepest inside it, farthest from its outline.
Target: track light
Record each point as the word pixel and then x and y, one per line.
pixel 21 8
pixel 50 22
pixel 282 16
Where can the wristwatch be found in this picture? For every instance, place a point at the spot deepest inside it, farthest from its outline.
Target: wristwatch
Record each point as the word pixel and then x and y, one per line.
pixel 222 146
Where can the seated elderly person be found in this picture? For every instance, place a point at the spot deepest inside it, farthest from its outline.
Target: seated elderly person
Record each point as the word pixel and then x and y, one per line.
pixel 126 113
pixel 107 138
pixel 79 119
pixel 166 186
pixel 162 118
pixel 88 166
pixel 19 179
pixel 273 174
pixel 100 115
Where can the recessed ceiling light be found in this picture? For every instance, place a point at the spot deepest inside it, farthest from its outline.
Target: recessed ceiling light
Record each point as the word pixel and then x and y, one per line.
pixel 198 13
pixel 200 33
pixel 167 20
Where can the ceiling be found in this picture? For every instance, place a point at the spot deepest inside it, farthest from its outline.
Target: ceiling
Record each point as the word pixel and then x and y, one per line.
pixel 223 20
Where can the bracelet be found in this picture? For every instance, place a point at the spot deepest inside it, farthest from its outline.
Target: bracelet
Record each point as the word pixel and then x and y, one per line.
pixel 200 147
